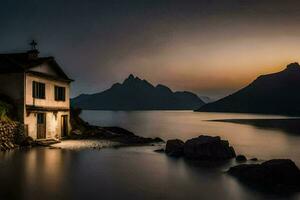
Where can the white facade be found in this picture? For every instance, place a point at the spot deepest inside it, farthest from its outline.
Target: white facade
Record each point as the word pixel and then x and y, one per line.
pixel 53 110
pixel 40 91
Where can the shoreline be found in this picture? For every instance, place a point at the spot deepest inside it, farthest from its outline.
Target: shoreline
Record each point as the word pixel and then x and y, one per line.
pixel 288 125
pixel 71 144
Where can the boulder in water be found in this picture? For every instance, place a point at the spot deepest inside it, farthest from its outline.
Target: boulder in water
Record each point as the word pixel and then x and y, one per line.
pixel 159 150
pixel 254 159
pixel 241 158
pixel 278 175
pixel 208 148
pixel 174 148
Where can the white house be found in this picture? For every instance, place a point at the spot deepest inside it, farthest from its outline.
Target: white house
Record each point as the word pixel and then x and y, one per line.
pixel 40 90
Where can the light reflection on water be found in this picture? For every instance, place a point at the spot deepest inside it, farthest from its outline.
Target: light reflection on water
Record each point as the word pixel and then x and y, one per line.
pixel 138 172
pixel 250 140
pixel 126 173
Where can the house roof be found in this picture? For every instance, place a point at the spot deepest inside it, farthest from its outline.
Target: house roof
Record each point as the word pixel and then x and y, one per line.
pixel 24 62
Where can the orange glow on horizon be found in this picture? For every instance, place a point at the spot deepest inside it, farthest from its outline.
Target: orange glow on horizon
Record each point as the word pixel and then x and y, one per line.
pixel 221 58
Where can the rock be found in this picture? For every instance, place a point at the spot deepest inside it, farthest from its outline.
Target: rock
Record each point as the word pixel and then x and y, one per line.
pixel 159 150
pixel 76 132
pixel 6 146
pixel 119 131
pixel 158 140
pixel 241 158
pixel 28 141
pixel 278 175
pixel 2 147
pixel 11 133
pixel 208 148
pixel 11 145
pixel 174 148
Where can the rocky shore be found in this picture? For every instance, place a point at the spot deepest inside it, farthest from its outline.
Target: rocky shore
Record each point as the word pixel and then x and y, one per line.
pixel 11 135
pixel 201 148
pixel 280 176
pixel 83 135
pixel 113 134
pixel 82 130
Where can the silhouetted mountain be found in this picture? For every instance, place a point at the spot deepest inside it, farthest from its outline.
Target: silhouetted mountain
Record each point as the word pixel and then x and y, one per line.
pixel 277 93
pixel 206 99
pixel 137 94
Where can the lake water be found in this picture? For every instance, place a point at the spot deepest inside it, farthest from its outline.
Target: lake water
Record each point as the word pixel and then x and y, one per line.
pixel 138 172
pixel 251 140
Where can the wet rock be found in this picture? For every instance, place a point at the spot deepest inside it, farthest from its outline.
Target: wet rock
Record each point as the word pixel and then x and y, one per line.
pixel 6 146
pixel 208 148
pixel 76 132
pixel 159 150
pixel 241 158
pixel 11 145
pixel 174 148
pixel 11 134
pixel 278 175
pixel 28 141
pixel 157 140
pixel 119 131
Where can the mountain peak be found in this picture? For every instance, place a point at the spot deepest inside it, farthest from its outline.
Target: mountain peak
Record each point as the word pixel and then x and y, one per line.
pixel 131 76
pixel 293 66
pixel 138 94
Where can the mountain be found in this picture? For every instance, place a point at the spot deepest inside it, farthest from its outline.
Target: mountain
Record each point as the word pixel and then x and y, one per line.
pixel 137 94
pixel 277 93
pixel 206 99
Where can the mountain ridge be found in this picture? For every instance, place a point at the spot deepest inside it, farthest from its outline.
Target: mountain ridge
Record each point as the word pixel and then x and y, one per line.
pixel 138 94
pixel 276 93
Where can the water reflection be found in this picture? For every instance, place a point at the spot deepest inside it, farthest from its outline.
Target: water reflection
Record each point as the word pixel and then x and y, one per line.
pixel 34 174
pixel 138 172
pixel 289 126
pixel 126 173
pixel 253 141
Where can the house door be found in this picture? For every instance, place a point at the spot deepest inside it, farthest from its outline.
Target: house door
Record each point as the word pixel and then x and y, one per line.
pixel 41 125
pixel 64 125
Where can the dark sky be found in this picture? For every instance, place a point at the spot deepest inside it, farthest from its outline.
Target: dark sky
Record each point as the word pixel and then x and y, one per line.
pixel 209 47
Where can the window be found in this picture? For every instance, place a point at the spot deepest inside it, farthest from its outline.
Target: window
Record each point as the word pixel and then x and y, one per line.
pixel 38 90
pixel 40 118
pixel 60 93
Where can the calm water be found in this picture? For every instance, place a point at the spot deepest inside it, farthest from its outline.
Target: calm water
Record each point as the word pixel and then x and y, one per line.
pixel 138 172
pixel 253 141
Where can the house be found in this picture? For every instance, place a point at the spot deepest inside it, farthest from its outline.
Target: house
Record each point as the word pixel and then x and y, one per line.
pixel 40 90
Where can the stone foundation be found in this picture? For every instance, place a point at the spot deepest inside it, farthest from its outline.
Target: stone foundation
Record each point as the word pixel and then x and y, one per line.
pixel 11 135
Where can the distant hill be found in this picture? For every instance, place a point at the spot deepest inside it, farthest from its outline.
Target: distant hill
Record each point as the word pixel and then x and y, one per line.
pixel 206 99
pixel 137 94
pixel 277 93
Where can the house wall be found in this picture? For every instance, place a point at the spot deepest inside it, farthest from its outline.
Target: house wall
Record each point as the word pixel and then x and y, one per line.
pixel 49 101
pixel 53 124
pixel 53 119
pixel 12 85
pixel 44 68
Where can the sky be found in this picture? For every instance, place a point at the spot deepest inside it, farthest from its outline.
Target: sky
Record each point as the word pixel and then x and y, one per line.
pixel 209 47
